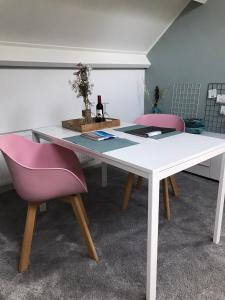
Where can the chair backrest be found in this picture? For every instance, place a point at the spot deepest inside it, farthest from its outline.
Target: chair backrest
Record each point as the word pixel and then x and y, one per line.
pixel 17 148
pixel 161 120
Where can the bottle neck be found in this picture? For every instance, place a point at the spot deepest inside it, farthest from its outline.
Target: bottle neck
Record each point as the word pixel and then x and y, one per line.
pixel 99 99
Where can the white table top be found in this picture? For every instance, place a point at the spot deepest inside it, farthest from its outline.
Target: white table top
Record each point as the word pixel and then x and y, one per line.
pixel 154 155
pixel 156 159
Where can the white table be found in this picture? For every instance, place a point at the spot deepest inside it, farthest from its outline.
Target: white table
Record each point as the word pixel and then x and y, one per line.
pixel 154 160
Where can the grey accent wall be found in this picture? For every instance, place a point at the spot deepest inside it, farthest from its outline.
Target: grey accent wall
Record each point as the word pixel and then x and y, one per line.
pixel 192 50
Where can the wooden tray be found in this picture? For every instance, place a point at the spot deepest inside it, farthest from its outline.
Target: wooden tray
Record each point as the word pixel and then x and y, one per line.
pixel 79 124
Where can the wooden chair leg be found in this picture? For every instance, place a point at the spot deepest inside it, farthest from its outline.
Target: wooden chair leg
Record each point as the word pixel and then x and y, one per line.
pixel 127 190
pixel 166 199
pixel 27 237
pixel 78 211
pixel 139 182
pixel 83 209
pixel 174 186
pixel 68 200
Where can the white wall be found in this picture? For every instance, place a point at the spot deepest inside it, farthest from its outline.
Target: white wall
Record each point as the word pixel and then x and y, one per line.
pixel 36 97
pixel 39 97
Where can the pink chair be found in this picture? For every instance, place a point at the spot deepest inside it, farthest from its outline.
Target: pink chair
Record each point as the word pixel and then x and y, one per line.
pixel 41 172
pixel 158 120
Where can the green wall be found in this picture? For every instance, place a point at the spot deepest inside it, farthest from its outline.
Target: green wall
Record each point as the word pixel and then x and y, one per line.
pixel 192 50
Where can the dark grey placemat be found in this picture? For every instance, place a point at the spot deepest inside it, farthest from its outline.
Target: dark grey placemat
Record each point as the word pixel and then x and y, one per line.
pixel 131 127
pixel 156 137
pixel 101 146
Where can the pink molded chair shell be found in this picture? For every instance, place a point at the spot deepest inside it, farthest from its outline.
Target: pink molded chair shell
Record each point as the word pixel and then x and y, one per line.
pixel 42 171
pixel 161 120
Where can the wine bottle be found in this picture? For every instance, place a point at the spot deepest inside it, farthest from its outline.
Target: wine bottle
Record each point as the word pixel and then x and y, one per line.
pixel 99 110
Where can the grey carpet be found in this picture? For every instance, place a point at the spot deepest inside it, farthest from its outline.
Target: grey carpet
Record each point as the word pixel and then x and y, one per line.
pixel 190 266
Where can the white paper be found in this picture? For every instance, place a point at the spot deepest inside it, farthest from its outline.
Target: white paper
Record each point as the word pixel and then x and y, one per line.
pixel 222 110
pixel 220 99
pixel 212 93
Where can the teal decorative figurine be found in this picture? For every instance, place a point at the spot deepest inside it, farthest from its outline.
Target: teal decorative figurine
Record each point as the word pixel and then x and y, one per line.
pixel 155 109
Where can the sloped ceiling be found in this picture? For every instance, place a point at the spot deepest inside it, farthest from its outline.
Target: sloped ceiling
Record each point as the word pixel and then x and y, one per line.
pixel 114 25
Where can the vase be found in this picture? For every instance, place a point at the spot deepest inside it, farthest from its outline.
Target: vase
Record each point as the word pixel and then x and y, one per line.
pixel 86 113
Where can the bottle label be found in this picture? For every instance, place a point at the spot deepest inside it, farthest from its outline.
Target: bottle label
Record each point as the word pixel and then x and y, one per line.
pixel 99 113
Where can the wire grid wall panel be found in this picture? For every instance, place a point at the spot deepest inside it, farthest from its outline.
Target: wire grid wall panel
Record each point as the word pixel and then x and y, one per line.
pixel 214 120
pixel 185 100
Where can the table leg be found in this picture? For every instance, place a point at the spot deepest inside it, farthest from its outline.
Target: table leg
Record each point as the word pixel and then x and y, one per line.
pixel 220 203
pixel 104 175
pixel 152 238
pixel 35 138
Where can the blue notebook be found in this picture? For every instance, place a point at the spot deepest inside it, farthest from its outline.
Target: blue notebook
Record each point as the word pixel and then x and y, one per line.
pixel 98 135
